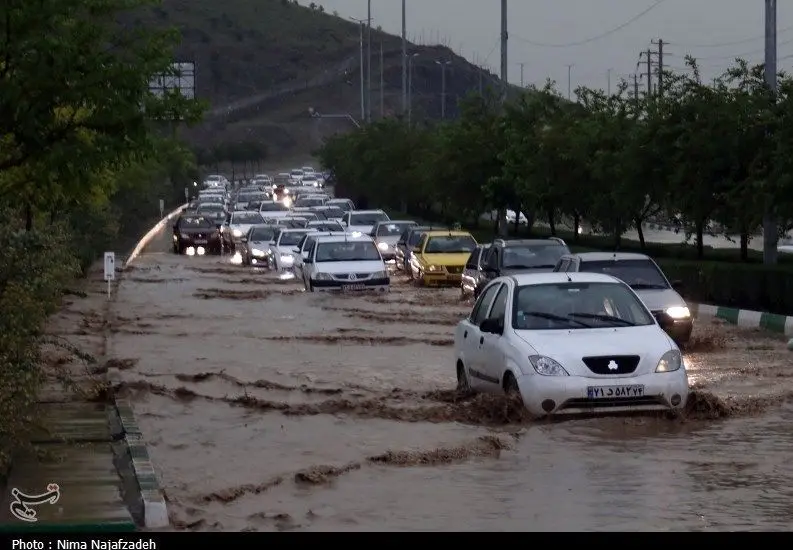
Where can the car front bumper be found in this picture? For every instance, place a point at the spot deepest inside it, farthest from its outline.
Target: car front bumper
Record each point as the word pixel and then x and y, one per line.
pixel 681 331
pixel 441 278
pixel 569 394
pixel 367 285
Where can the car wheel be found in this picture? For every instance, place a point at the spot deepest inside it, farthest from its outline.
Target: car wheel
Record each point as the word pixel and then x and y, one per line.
pixel 511 388
pixel 463 385
pixel 311 287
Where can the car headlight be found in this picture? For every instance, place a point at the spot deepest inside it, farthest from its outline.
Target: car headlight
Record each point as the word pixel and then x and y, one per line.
pixel 547 366
pixel 434 268
pixel 175 238
pixel 670 361
pixel 287 202
pixel 237 233
pixel 287 259
pixel 382 246
pixel 322 277
pixel 379 275
pixel 258 253
pixel 678 312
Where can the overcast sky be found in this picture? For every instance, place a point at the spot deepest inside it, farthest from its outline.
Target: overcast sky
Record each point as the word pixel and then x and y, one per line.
pixel 714 31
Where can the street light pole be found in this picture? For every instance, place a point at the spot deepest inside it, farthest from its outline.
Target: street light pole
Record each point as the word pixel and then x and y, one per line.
pixel 770 228
pixel 404 60
pixel 410 87
pixel 443 65
pixel 369 61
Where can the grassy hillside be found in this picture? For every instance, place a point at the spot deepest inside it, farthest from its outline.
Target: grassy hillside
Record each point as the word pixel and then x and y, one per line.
pixel 262 63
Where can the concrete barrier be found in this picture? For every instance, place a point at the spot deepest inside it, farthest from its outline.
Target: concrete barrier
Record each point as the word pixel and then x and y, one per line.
pixel 146 239
pixel 780 324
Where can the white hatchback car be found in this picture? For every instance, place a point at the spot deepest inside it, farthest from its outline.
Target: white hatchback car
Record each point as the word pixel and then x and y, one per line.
pixel 362 221
pixel 569 343
pixel 345 263
pixel 281 254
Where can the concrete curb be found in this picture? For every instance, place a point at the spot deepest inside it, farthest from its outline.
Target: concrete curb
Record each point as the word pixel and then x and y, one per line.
pixel 772 322
pixel 155 510
pixel 150 235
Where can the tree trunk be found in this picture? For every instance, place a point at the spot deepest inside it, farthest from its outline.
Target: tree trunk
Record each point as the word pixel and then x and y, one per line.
pixel 617 234
pixel 501 223
pixel 517 220
pixel 28 217
pixel 551 222
pixel 640 231
pixel 744 243
pixel 576 225
pixel 699 228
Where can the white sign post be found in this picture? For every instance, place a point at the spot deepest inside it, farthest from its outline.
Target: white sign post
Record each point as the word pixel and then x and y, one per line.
pixel 162 208
pixel 110 269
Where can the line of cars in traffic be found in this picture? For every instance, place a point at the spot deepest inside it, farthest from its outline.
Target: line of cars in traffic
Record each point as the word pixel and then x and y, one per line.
pixel 569 333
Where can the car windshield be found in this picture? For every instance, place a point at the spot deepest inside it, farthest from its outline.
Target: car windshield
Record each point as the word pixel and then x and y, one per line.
pixel 565 306
pixel 210 207
pixel 392 229
pixel 296 172
pixel 273 207
pixel 369 218
pixel 533 256
pixel 290 238
pixel 211 198
pixel 327 226
pixel 262 234
pixel 246 218
pixel 414 238
pixel 638 274
pixel 451 244
pixel 308 202
pixel 357 251
pixel 195 223
pixel 332 213
pixel 292 223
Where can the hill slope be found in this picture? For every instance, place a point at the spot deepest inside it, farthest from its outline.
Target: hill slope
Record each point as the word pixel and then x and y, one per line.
pixel 262 64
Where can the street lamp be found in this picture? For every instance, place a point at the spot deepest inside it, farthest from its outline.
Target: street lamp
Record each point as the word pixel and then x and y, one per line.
pixel 314 114
pixel 443 65
pixel 410 86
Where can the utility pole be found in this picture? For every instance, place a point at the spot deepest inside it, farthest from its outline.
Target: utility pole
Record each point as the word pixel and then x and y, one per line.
pixel 570 81
pixel 382 88
pixel 649 54
pixel 504 40
pixel 369 61
pixel 660 44
pixel 443 65
pixel 770 229
pixel 410 88
pixel 636 88
pixel 361 24
pixel 521 73
pixel 404 60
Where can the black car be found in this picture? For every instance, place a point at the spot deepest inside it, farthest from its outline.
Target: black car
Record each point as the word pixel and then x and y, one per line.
pixel 473 273
pixel 194 232
pixel 407 242
pixel 507 257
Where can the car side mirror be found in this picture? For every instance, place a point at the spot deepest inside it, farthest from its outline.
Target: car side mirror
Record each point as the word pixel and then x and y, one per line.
pixel 271 243
pixel 677 286
pixel 492 326
pixel 308 261
pixel 295 249
pixel 416 250
pixel 665 321
pixel 244 239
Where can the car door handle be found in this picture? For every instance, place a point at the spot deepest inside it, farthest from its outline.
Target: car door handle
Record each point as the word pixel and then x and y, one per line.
pixel 481 340
pixel 465 334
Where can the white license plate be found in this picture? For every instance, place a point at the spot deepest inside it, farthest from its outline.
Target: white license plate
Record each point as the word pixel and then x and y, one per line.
pixel 200 241
pixel 348 288
pixel 614 392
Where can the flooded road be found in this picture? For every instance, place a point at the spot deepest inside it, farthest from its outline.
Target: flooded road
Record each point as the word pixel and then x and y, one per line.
pixel 268 408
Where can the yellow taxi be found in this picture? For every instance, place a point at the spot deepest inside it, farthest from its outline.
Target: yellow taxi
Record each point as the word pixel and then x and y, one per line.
pixel 439 257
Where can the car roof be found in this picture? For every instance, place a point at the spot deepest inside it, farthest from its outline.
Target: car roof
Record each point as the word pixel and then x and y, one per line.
pixel 551 241
pixel 320 222
pixel 378 211
pixel 557 277
pixel 608 256
pixel 295 229
pixel 318 234
pixel 389 222
pixel 449 233
pixel 344 237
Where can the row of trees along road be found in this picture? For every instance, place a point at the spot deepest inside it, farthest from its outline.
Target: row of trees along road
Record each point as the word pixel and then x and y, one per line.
pixel 84 160
pixel 705 158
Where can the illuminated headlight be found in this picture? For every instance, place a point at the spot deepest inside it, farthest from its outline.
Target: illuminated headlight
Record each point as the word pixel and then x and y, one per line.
pixel 382 246
pixel 356 234
pixel 546 366
pixel 237 233
pixel 434 268
pixel 175 238
pixel 287 259
pixel 670 361
pixel 678 312
pixel 322 277
pixel 287 202
pixel 258 253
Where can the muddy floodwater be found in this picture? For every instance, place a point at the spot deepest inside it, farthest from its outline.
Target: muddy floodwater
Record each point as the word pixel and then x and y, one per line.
pixel 269 408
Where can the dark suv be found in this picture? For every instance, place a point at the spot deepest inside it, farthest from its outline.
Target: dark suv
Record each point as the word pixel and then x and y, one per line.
pixel 506 257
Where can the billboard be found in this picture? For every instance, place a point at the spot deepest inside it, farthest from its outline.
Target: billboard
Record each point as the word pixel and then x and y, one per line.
pixel 181 79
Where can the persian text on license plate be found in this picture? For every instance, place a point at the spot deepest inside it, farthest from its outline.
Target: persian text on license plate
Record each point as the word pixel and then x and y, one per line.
pixel 200 241
pixel 348 288
pixel 614 392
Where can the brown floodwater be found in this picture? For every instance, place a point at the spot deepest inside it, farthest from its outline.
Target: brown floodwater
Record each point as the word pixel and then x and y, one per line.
pixel 268 408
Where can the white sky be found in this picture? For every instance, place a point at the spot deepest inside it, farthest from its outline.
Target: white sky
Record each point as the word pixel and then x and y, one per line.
pixel 714 31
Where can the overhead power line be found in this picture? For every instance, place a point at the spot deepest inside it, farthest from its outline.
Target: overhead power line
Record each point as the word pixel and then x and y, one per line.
pixel 744 54
pixel 733 43
pixel 598 37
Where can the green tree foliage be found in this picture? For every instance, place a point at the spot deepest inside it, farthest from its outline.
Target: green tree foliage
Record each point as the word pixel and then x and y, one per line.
pixel 704 157
pixel 83 163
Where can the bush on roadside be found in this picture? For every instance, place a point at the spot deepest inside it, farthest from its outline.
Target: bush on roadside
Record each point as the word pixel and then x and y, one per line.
pixel 35 267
